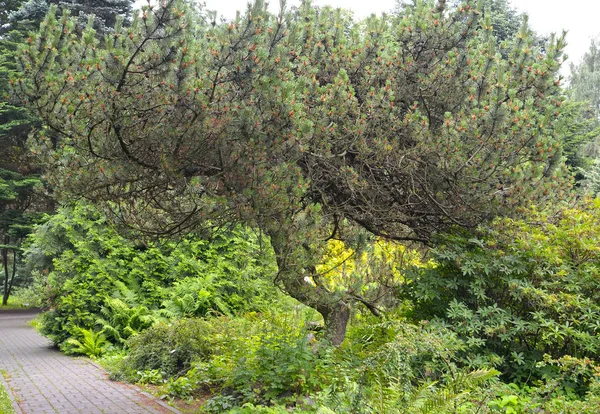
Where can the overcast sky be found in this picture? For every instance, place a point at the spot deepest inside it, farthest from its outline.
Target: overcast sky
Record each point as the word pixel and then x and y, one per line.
pixel 579 17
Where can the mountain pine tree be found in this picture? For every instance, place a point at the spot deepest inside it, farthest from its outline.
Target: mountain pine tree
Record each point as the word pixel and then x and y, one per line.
pixel 301 124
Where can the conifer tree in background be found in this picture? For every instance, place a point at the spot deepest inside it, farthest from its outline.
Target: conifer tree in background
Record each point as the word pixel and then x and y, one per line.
pixel 105 11
pixel 303 125
pixel 585 79
pixel 583 127
pixel 22 201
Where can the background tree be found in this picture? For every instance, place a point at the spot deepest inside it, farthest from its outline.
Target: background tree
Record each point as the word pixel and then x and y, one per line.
pixel 105 11
pixel 16 221
pixel 585 79
pixel 301 124
pixel 19 175
pixel 584 90
pixel 22 194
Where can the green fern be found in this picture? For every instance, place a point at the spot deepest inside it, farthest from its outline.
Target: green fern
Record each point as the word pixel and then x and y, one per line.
pixel 120 321
pixel 91 344
pixel 430 399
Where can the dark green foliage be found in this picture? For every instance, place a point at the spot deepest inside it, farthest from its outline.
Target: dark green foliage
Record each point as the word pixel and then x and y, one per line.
pixel 21 200
pixel 106 12
pixel 17 217
pixel 579 132
pixel 15 120
pixel 518 291
pixel 6 8
pixel 98 279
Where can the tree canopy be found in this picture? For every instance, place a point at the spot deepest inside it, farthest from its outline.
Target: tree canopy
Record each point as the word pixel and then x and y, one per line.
pixel 302 124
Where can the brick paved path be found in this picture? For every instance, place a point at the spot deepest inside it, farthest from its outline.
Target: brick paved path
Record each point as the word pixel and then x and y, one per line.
pixel 45 381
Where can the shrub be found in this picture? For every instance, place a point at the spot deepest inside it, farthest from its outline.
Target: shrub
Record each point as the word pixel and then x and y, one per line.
pixel 398 367
pixel 520 290
pixel 170 349
pixel 96 279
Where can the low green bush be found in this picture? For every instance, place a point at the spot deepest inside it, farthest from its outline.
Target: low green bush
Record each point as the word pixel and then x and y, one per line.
pixel 90 277
pixel 397 367
pixel 168 348
pixel 520 290
pixel 271 360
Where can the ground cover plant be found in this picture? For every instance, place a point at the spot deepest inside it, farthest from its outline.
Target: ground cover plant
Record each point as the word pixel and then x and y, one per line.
pixel 5 401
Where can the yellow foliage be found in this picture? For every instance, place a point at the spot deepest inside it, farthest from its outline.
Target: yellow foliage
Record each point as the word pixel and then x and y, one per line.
pixel 380 261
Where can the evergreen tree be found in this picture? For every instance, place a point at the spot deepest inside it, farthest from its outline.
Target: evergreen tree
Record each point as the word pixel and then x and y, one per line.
pixel 301 124
pixel 105 11
pixel 6 8
pixel 17 217
pixel 582 123
pixel 20 202
pixel 585 79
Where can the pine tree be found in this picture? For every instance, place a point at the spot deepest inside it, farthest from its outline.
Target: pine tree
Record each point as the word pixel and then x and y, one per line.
pixel 303 124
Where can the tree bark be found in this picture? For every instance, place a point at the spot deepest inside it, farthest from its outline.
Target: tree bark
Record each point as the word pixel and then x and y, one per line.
pixel 8 281
pixel 331 305
pixel 5 265
pixel 336 322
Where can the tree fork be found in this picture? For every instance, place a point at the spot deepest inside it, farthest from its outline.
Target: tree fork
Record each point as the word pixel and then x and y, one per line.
pixel 333 308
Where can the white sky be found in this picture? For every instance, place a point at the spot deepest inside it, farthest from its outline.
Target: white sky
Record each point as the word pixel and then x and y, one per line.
pixel 581 18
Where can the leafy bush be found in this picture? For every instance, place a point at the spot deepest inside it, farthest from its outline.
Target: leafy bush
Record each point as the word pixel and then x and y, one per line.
pixel 397 367
pixel 86 263
pixel 520 290
pixel 96 279
pixel 557 393
pixel 169 349
pixel 90 343
pixel 31 294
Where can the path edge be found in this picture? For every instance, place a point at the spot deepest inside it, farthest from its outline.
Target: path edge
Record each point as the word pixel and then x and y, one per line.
pixel 11 395
pixel 135 387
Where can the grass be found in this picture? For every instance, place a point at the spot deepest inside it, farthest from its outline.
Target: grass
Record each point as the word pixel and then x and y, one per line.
pixel 5 402
pixel 11 306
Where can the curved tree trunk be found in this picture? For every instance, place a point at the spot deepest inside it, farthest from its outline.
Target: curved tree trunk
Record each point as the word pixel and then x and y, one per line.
pixel 336 321
pixel 295 274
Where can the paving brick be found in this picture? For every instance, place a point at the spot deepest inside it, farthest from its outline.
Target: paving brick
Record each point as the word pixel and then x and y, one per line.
pixel 45 381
